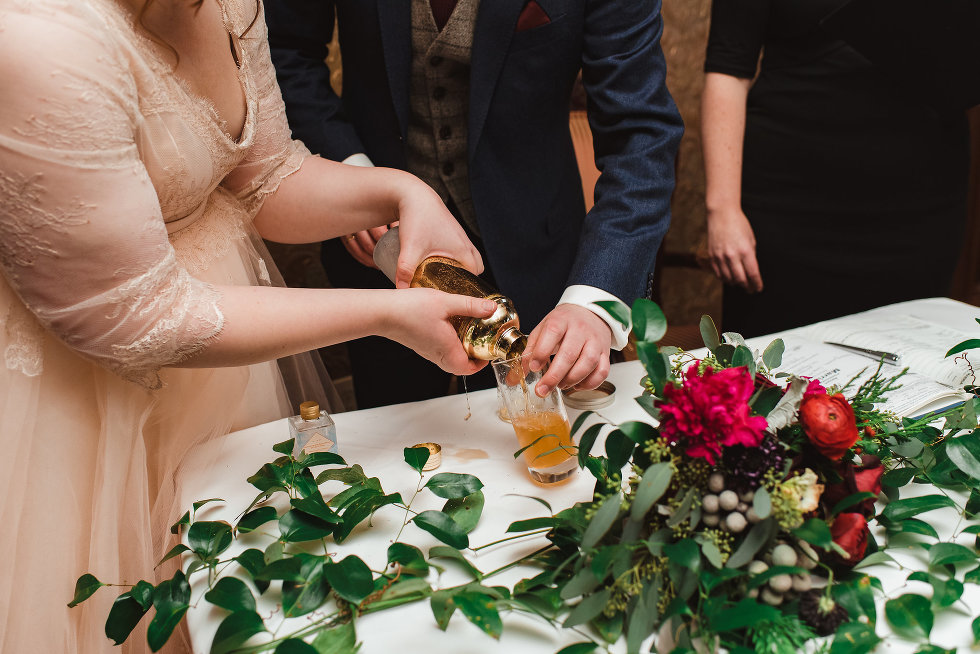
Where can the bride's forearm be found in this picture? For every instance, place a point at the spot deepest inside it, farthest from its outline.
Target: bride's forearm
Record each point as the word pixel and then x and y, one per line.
pixel 324 199
pixel 263 323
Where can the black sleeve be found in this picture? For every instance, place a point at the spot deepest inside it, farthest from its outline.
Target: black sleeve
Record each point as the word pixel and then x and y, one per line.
pixel 738 29
pixel 299 31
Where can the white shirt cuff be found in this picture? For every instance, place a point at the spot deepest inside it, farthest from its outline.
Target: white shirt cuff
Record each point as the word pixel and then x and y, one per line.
pixel 584 296
pixel 359 159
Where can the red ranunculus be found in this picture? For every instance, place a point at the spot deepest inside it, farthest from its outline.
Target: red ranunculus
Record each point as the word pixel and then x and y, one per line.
pixel 865 478
pixel 850 531
pixel 828 421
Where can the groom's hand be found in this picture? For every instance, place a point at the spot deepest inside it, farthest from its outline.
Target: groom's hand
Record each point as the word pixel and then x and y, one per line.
pixel 579 341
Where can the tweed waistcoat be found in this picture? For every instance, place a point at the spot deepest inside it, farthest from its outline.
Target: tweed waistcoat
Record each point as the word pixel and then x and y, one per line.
pixel 435 146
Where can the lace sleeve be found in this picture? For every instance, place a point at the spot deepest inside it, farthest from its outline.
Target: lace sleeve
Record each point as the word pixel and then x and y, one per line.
pixel 274 155
pixel 82 239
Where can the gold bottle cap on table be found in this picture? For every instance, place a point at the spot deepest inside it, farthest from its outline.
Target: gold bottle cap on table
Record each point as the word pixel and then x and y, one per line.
pixel 435 455
pixel 309 410
pixel 590 400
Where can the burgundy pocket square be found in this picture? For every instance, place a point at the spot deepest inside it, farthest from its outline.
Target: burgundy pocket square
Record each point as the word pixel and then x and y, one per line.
pixel 531 16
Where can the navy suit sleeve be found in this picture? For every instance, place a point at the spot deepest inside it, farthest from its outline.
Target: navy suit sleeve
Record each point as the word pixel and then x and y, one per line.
pixel 298 33
pixel 636 130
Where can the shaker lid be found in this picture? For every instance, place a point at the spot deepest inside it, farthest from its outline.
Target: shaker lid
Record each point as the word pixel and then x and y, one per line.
pixel 590 400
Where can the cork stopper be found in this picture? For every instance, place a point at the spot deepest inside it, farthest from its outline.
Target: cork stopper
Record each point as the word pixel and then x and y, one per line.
pixel 309 410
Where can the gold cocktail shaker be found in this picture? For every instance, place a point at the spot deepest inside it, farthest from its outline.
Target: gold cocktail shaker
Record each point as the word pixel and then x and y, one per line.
pixel 496 337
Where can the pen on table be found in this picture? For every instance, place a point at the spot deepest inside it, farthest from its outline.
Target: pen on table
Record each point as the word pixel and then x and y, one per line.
pixel 878 355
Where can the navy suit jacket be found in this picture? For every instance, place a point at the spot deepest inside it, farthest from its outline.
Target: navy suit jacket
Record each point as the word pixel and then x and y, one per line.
pixel 524 179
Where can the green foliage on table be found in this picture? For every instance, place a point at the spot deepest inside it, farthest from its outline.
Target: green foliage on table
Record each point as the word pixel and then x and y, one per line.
pixel 291 508
pixel 622 567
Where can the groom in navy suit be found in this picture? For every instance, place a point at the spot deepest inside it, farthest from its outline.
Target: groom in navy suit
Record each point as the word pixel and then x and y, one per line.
pixel 473 97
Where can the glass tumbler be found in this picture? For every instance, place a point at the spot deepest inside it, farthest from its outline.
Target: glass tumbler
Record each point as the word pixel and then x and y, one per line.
pixel 540 423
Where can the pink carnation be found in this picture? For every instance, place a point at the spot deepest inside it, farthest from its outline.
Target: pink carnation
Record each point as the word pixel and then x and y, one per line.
pixel 711 411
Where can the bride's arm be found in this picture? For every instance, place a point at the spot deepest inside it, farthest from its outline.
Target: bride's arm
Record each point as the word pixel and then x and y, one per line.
pixel 83 244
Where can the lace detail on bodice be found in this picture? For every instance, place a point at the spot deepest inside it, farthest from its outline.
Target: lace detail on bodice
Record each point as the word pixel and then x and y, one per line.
pixel 101 145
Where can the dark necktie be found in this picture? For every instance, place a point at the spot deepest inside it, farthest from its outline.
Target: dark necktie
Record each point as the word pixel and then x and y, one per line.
pixel 441 11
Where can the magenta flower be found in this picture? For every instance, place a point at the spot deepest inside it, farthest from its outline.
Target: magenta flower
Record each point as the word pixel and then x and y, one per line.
pixel 711 411
pixel 814 387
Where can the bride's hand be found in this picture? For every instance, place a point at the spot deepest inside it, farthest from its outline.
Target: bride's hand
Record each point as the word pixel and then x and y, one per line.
pixel 419 319
pixel 427 228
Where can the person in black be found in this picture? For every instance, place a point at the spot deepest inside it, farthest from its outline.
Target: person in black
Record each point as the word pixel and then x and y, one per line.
pixel 849 189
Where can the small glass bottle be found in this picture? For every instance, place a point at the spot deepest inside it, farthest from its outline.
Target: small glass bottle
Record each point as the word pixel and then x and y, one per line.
pixel 312 430
pixel 497 337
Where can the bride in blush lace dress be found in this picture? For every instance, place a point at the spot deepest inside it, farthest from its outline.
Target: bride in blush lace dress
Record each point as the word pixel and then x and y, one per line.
pixel 143 152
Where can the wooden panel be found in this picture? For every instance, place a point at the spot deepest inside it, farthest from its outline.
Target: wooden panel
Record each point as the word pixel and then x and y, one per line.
pixel 966 283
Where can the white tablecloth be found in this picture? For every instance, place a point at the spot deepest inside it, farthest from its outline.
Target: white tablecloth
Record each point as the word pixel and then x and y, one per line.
pixel 473 441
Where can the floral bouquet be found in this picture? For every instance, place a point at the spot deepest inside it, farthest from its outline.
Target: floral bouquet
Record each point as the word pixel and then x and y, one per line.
pixel 736 518
pixel 737 521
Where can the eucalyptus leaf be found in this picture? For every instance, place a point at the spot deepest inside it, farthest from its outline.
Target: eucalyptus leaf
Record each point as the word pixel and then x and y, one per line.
pixel 452 485
pixel 709 333
pixel 743 357
pixel 910 616
pixel 417 457
pixel 442 527
pixel 772 357
pixel 84 587
pixel 232 594
pixel 654 483
pixel 898 477
pixel 762 503
pixel 235 629
pixel 587 609
pixel 654 363
pixel 604 517
pixel 759 535
pixel 581 583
